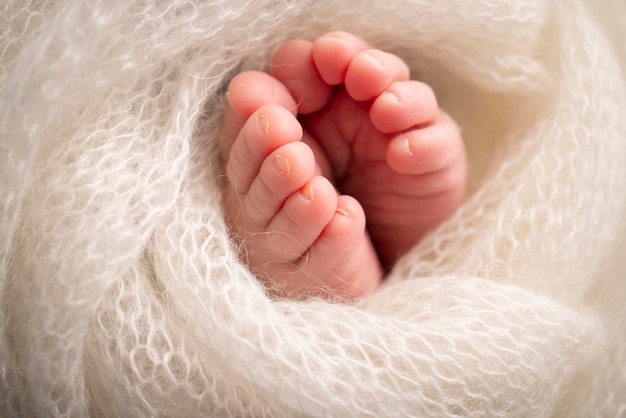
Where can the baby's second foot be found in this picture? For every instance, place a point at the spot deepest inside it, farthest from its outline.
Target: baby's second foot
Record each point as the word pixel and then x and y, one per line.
pixel 299 236
pixel 388 143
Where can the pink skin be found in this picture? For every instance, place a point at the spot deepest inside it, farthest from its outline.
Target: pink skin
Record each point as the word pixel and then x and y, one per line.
pixel 336 132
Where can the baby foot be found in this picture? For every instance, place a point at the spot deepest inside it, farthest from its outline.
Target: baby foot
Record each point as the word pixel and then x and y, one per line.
pixel 299 236
pixel 388 143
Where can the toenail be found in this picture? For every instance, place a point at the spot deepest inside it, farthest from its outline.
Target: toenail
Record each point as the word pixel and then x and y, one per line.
pixel 407 146
pixel 374 59
pixel 282 164
pixel 336 37
pixel 391 97
pixel 342 212
pixel 264 122
pixel 306 193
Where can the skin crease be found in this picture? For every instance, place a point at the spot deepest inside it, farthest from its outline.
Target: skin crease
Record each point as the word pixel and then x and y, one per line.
pixel 336 163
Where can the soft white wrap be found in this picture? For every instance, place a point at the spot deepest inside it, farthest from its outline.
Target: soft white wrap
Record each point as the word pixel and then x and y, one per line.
pixel 122 295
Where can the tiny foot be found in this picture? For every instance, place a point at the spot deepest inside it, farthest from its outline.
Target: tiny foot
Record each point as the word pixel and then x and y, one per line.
pixel 297 234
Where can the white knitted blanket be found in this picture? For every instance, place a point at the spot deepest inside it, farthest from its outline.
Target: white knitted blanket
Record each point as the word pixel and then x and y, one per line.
pixel 122 295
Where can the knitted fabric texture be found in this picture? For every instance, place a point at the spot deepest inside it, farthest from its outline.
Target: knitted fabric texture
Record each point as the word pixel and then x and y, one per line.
pixel 122 293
